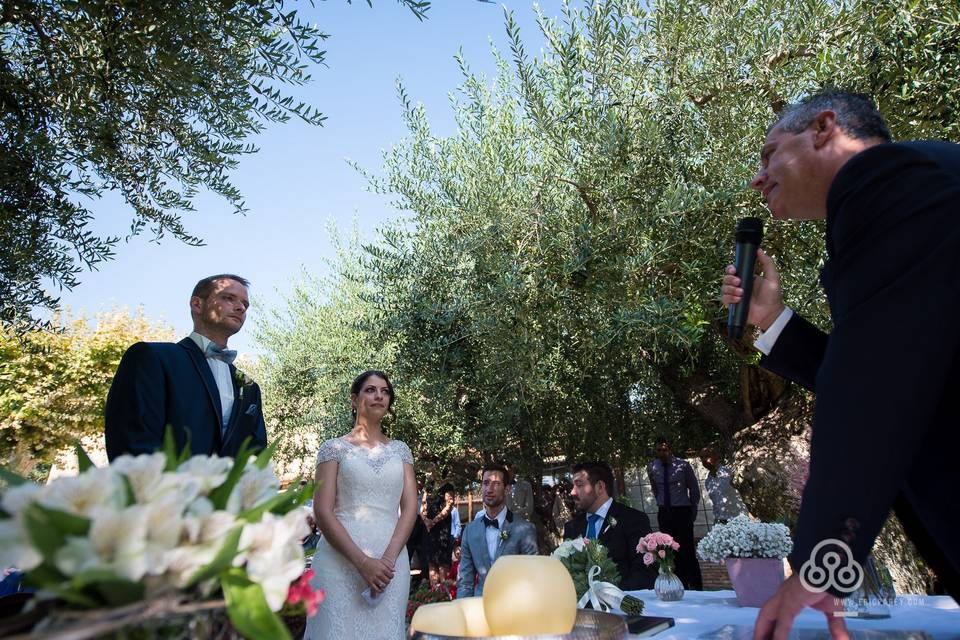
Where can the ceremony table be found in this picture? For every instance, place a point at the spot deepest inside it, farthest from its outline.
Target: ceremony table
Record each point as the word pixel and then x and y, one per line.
pixel 703 612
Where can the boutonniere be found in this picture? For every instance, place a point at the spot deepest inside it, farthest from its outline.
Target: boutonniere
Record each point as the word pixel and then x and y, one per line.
pixel 504 534
pixel 242 379
pixel 611 523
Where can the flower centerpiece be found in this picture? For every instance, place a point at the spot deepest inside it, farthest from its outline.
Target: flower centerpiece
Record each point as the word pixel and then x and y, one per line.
pixel 595 576
pixel 157 537
pixel 659 548
pixel 753 552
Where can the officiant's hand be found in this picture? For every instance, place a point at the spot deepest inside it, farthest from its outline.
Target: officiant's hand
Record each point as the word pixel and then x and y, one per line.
pixel 777 615
pixel 376 573
pixel 766 301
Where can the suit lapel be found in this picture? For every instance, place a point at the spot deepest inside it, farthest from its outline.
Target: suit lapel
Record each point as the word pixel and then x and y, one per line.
pixel 237 400
pixel 203 369
pixel 501 539
pixel 608 522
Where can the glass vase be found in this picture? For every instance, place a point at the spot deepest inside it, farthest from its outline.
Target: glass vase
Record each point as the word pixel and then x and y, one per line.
pixel 668 586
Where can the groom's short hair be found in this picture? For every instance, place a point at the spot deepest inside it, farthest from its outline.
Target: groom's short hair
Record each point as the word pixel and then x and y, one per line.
pixel 597 471
pixel 498 468
pixel 205 287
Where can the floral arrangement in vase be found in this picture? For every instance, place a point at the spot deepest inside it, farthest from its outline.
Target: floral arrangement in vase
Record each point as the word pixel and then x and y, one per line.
pixel 743 537
pixel 164 533
pixel 595 576
pixel 660 548
pixel 753 552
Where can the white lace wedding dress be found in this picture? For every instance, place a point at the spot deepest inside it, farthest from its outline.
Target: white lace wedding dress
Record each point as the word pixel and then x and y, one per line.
pixel 369 485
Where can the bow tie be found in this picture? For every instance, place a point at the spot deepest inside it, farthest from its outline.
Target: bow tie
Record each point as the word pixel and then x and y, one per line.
pixel 213 351
pixel 491 522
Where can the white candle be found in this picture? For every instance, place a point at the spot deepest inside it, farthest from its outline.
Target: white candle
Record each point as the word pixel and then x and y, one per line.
pixel 529 595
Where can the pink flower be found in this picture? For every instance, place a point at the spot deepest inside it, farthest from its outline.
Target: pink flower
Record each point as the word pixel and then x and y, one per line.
pixel 648 558
pixel 662 553
pixel 301 591
pixel 674 546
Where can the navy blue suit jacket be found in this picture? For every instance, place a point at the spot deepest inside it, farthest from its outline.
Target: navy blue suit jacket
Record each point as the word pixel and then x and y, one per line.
pixel 163 383
pixel 886 427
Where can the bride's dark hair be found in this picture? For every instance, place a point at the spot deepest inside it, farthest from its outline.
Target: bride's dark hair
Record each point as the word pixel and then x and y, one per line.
pixel 358 385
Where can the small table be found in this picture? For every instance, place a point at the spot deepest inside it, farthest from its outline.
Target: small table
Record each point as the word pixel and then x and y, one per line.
pixel 701 612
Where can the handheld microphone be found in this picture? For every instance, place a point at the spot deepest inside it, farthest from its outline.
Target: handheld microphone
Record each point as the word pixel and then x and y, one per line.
pixel 749 235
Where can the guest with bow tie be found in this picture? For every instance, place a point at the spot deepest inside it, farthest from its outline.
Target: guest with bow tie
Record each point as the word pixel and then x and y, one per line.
pixel 496 532
pixel 192 385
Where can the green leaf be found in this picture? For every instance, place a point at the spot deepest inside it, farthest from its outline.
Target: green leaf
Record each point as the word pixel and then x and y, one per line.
pixel 221 494
pixel 83 460
pixel 266 455
pixel 185 453
pixel 247 607
pixel 48 528
pixel 128 490
pixel 280 504
pixel 118 592
pixel 170 449
pixel 11 478
pixel 221 561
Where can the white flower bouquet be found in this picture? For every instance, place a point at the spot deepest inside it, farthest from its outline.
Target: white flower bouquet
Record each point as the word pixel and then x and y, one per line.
pixel 745 538
pixel 163 527
pixel 595 576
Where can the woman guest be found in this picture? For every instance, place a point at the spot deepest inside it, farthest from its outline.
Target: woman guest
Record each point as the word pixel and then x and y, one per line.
pixel 435 512
pixel 363 480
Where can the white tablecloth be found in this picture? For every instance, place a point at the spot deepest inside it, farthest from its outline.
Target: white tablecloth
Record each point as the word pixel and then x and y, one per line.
pixel 702 612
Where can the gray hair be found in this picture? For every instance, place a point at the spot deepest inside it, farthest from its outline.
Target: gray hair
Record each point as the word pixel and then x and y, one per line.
pixel 857 115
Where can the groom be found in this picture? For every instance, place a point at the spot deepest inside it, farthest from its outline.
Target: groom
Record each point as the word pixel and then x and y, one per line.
pixel 192 385
pixel 497 532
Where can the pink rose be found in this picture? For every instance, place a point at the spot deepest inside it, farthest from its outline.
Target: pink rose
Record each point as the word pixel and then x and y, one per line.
pixel 662 553
pixel 674 546
pixel 648 558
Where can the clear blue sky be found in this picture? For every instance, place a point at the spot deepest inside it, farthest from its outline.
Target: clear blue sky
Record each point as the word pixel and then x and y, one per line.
pixel 300 179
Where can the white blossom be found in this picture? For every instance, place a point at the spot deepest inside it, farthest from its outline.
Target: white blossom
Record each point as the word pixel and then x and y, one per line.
pixel 208 472
pixel 273 552
pixel 15 548
pixel 95 489
pixel 744 538
pixel 254 487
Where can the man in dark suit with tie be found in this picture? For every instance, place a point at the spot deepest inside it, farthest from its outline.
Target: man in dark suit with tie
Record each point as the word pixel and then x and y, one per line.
pixel 191 386
pixel 885 427
pixel 496 532
pixel 617 526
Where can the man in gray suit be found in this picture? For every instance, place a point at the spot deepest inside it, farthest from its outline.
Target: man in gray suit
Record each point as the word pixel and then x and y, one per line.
pixel 497 532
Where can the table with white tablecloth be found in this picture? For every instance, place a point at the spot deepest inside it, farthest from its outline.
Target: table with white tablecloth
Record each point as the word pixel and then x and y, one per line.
pixel 702 613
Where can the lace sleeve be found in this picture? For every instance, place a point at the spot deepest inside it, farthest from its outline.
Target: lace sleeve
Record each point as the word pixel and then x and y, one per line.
pixel 330 450
pixel 404 451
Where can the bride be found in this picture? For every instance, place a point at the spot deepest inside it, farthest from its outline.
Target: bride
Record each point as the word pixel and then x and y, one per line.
pixel 363 480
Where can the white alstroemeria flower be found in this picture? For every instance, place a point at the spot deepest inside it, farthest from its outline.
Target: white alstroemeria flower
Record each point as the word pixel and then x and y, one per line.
pixel 206 537
pixel 165 526
pixel 145 473
pixel 92 490
pixel 76 556
pixel 15 549
pixel 274 555
pixel 255 486
pixel 15 499
pixel 197 511
pixel 116 542
pixel 120 539
pixel 209 472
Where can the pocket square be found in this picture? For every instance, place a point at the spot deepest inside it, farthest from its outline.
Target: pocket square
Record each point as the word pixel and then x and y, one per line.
pixel 250 410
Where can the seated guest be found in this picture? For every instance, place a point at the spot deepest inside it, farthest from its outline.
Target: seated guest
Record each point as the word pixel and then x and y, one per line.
pixel 617 526
pixel 727 504
pixel 497 532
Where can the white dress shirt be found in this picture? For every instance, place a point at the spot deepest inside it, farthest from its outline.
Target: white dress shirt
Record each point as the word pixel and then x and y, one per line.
pixel 764 343
pixel 221 375
pixel 493 535
pixel 602 512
